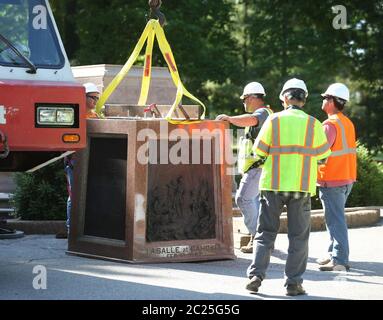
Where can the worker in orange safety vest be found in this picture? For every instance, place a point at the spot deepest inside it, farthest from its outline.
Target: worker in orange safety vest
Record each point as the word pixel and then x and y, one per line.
pixel 92 95
pixel 336 176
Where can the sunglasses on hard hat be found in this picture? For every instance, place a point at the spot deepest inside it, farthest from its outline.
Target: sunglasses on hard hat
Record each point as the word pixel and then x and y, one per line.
pixel 327 98
pixel 93 98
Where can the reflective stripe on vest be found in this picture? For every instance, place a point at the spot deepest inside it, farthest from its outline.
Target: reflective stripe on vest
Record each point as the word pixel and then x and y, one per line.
pixel 293 149
pixel 306 151
pixel 263 147
pixel 305 177
pixel 275 141
pixel 345 149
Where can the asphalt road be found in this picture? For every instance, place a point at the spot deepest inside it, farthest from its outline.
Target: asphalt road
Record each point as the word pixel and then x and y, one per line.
pixel 71 277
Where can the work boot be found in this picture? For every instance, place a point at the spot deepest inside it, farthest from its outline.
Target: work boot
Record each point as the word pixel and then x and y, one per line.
pixel 333 266
pixel 62 235
pixel 254 283
pixel 249 247
pixel 323 261
pixel 294 289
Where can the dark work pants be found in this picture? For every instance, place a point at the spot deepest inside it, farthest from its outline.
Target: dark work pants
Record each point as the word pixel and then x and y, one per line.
pixel 299 225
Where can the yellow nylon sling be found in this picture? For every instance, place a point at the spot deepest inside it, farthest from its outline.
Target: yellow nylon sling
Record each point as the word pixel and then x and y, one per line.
pixel 152 29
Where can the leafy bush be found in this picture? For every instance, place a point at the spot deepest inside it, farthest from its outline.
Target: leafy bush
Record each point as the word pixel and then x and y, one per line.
pixel 368 190
pixel 41 195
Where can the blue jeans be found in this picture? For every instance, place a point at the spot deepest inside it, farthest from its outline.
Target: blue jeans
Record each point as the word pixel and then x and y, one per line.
pixel 247 198
pixel 69 175
pixel 333 202
pixel 298 226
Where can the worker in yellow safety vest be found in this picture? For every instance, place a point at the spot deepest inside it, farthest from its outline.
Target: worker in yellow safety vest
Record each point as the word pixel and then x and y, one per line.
pixel 291 142
pixel 247 195
pixel 336 176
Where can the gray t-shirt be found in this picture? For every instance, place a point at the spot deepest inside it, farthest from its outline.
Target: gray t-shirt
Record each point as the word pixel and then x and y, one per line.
pixel 261 115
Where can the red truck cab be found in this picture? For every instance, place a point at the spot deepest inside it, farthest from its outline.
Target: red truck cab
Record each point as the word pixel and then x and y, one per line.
pixel 42 108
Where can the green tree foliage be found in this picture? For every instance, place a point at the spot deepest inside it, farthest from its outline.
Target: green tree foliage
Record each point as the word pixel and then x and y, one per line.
pixel 220 45
pixel 66 16
pixel 198 32
pixel 41 195
pixel 223 42
pixel 286 40
pixel 365 47
pixel 14 23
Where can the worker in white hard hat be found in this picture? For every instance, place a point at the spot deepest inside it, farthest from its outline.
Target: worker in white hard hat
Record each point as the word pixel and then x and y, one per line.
pixel 247 195
pixel 291 143
pixel 337 176
pixel 92 97
pixel 294 88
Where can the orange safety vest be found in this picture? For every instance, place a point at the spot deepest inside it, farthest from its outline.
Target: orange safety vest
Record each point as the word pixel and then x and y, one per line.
pixel 341 165
pixel 91 114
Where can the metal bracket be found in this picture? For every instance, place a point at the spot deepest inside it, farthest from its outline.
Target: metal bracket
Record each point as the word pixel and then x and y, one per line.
pixel 187 117
pixel 153 110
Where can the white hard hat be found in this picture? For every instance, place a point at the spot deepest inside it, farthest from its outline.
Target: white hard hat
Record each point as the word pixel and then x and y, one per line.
pixel 338 90
pixel 90 87
pixel 294 84
pixel 253 88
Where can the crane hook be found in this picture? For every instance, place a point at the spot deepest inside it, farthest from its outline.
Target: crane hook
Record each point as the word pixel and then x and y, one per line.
pixel 155 11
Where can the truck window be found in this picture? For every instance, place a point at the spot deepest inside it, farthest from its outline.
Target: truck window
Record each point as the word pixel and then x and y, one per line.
pixel 28 25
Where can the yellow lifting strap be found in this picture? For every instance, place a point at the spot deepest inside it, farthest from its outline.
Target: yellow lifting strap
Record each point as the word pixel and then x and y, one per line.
pixel 152 29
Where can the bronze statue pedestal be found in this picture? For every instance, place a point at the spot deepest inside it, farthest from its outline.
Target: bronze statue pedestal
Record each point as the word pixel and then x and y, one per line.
pixel 148 191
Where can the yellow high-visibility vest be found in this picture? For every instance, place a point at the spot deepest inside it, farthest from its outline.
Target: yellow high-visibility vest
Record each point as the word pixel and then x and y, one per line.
pixel 245 149
pixel 292 142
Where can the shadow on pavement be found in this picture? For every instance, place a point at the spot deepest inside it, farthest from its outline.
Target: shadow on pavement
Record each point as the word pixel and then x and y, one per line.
pixel 70 285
